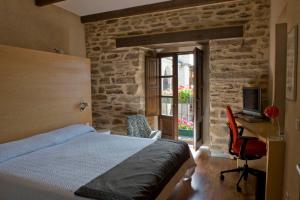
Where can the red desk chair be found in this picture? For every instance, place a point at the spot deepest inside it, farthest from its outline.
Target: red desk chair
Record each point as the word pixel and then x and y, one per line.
pixel 243 147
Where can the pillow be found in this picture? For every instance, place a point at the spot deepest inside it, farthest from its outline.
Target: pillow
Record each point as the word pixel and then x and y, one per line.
pixel 64 134
pixel 21 147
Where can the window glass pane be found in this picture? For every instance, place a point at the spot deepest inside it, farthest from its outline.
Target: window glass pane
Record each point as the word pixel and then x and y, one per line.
pixel 167 106
pixel 166 87
pixel 167 66
pixel 185 97
pixel 186 71
pixel 185 78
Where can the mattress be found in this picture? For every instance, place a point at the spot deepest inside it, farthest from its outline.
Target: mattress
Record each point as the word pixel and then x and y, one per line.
pixel 54 165
pixel 66 166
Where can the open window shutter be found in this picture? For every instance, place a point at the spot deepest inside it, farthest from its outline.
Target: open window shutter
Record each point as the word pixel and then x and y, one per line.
pixel 152 86
pixel 198 64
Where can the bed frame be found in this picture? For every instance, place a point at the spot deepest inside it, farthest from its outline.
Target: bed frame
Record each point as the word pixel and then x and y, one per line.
pixel 41 91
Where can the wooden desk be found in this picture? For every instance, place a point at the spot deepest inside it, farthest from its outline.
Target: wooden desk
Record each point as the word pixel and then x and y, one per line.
pixel 262 130
pixel 274 158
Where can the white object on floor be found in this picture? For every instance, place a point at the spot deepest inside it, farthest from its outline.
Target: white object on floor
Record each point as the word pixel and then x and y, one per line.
pixel 203 150
pixel 206 150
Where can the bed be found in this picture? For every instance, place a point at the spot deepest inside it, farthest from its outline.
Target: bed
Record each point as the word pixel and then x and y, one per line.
pixel 66 159
pixel 42 92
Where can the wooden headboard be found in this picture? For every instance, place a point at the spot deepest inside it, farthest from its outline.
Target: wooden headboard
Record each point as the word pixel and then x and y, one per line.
pixel 41 91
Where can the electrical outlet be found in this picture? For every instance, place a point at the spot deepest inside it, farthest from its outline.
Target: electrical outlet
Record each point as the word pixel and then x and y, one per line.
pixel 298 124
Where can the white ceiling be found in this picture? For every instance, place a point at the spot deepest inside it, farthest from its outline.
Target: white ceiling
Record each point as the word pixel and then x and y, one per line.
pixel 87 7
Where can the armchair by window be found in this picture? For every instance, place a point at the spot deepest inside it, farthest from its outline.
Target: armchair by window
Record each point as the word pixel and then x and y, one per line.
pixel 138 127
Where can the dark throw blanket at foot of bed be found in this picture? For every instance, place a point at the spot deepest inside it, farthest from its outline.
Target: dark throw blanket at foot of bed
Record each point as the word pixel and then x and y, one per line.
pixel 140 177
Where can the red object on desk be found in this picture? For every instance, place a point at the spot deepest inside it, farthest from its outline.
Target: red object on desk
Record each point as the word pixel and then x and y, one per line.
pixel 272 112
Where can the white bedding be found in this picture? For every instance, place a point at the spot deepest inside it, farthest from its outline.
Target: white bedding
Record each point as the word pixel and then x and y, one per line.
pixel 64 165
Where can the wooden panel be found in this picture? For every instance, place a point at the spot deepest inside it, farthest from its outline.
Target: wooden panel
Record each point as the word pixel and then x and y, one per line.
pixel 182 36
pixel 280 70
pixel 152 102
pixel 151 86
pixel 41 91
pixel 166 126
pixel 46 2
pixel 275 168
pixel 162 6
pixel 198 104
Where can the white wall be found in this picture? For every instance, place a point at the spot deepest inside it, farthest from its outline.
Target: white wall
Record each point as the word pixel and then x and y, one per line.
pixel 23 24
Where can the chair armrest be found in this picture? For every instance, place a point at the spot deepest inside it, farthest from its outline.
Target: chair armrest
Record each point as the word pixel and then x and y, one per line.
pixel 244 144
pixel 241 130
pixel 155 134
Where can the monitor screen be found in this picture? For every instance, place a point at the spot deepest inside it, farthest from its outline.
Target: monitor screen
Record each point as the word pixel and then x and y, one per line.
pixel 252 100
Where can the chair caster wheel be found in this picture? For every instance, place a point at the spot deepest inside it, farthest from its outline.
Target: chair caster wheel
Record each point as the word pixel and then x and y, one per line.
pixel 222 177
pixel 238 189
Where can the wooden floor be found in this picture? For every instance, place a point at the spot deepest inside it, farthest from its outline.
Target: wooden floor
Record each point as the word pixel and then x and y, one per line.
pixel 206 184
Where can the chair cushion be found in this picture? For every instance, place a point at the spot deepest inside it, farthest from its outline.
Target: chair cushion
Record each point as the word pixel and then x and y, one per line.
pixel 138 126
pixel 254 148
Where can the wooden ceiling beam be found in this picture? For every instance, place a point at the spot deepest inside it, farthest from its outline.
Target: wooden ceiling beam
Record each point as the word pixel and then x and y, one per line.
pixel 202 35
pixel 46 2
pixel 156 7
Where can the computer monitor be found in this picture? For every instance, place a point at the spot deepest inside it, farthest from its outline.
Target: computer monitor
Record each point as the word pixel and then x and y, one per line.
pixel 252 101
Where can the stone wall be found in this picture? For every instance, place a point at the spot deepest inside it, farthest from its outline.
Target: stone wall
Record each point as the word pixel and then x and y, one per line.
pixel 117 87
pixel 234 64
pixel 118 79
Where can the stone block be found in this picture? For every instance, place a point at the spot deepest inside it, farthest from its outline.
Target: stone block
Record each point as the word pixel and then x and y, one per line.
pixel 113 56
pixel 101 90
pixel 102 121
pixel 114 91
pixel 100 97
pixel 125 28
pixel 117 121
pixel 123 80
pixel 104 81
pixel 132 56
pixel 105 69
pixel 131 89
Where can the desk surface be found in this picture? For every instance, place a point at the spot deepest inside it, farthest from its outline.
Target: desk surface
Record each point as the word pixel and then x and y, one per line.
pixel 262 130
